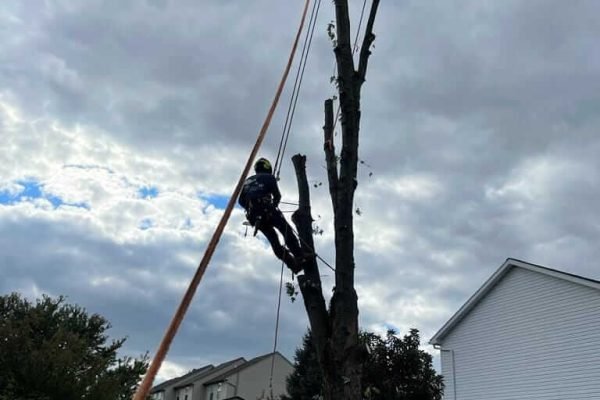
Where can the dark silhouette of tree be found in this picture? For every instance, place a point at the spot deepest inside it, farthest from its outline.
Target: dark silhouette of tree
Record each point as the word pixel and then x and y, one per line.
pixel 335 330
pixel 51 350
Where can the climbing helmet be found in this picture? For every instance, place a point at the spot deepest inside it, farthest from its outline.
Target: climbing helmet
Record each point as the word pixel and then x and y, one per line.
pixel 263 165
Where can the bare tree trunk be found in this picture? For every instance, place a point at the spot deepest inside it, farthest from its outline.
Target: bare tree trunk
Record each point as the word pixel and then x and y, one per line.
pixel 335 333
pixel 310 282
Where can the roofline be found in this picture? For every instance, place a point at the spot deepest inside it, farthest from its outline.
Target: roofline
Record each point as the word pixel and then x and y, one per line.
pixel 212 371
pixel 223 377
pixel 285 358
pixel 494 279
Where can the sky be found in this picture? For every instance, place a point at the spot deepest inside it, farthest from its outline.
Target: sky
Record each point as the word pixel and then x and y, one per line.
pixel 124 127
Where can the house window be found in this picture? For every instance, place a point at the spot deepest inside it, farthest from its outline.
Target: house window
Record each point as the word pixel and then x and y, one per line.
pixel 211 396
pixel 185 398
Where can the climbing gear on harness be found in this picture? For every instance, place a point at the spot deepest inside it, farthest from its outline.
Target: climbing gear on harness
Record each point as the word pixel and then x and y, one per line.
pixel 259 211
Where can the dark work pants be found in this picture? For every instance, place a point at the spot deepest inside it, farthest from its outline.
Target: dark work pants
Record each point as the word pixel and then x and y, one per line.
pixel 272 221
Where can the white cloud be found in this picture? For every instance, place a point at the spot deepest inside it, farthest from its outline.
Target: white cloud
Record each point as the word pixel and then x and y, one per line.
pixel 11 188
pixel 411 187
pixel 538 178
pixel 480 132
pixel 169 370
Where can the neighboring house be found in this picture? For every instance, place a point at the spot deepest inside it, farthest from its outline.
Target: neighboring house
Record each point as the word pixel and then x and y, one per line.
pixel 529 333
pixel 169 390
pixel 236 379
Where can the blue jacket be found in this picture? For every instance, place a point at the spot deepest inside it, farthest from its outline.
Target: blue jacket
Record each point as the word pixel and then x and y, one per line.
pixel 261 186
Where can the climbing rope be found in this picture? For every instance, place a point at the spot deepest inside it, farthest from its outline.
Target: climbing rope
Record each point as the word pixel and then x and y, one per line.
pixel 144 388
pixel 276 335
pixel 287 202
pixel 316 255
pixel 281 152
pixel 287 126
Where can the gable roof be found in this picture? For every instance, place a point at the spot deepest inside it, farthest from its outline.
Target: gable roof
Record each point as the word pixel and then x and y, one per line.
pixel 508 265
pixel 239 368
pixel 193 375
pixel 185 381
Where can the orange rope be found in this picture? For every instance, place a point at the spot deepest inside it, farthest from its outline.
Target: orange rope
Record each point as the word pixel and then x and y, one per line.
pixel 144 388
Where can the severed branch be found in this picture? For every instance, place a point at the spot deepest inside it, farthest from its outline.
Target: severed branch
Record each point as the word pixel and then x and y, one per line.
pixel 310 282
pixel 365 51
pixel 303 220
pixel 329 148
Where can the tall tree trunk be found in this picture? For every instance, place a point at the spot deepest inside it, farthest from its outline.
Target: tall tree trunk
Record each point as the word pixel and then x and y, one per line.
pixel 335 333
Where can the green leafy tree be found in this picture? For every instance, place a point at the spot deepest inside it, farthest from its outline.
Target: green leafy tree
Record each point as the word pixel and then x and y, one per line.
pixel 394 369
pixel 51 350
pixel 305 382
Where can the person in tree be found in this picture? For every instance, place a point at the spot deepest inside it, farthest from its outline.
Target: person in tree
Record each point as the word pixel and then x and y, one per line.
pixel 260 198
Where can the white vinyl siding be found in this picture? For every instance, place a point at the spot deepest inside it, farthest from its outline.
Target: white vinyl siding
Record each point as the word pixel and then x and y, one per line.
pixel 254 380
pixel 532 337
pixel 447 358
pixel 246 379
pixel 217 391
pixel 184 393
pixel 158 396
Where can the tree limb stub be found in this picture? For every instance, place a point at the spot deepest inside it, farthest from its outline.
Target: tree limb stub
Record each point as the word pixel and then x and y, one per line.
pixel 365 51
pixel 329 148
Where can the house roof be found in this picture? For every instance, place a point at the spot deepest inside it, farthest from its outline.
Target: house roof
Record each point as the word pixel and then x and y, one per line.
pixel 508 265
pixel 193 375
pixel 194 372
pixel 188 380
pixel 251 362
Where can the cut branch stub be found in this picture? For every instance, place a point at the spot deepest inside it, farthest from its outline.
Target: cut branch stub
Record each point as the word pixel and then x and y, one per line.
pixel 329 148
pixel 365 50
pixel 303 220
pixel 310 282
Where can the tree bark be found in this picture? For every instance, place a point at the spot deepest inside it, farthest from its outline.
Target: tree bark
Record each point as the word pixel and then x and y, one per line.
pixel 310 282
pixel 335 333
pixel 329 148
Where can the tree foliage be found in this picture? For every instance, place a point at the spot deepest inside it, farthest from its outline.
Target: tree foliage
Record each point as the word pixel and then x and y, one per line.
pixel 306 381
pixel 53 350
pixel 394 369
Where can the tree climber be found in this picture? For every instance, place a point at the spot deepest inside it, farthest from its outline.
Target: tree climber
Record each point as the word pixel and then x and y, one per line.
pixel 260 197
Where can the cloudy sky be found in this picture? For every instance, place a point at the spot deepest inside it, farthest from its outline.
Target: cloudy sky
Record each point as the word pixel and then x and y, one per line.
pixel 124 127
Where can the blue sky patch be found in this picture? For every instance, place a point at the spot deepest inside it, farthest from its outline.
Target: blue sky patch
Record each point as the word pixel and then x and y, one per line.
pixel 6 197
pixel 148 192
pixel 390 326
pixel 146 223
pixel 33 189
pixel 218 201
